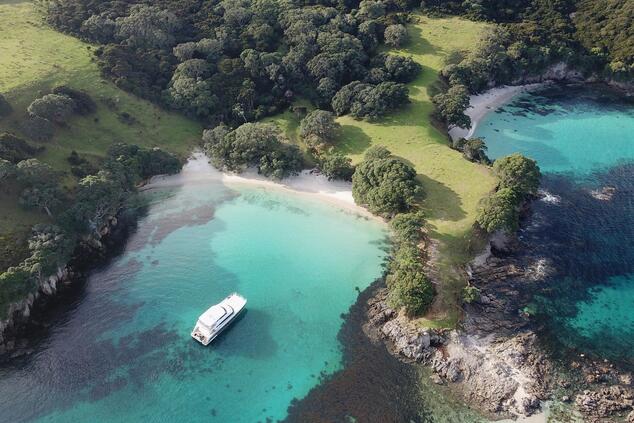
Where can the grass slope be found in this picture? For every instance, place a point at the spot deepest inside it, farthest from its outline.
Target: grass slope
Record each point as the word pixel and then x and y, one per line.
pixel 453 185
pixel 36 58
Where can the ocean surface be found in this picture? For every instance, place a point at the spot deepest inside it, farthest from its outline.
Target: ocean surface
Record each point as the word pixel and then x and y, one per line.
pixel 583 141
pixel 122 350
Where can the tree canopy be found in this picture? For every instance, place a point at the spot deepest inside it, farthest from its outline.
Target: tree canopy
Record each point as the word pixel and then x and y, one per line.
pixel 385 184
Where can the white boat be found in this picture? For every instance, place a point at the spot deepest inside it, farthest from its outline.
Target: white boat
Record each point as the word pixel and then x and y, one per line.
pixel 217 318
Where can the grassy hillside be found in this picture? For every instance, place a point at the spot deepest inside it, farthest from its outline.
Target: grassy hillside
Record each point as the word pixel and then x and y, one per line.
pixel 453 185
pixel 34 59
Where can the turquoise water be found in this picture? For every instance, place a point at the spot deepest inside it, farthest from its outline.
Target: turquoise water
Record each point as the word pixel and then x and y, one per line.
pixel 583 140
pixel 578 132
pixel 123 352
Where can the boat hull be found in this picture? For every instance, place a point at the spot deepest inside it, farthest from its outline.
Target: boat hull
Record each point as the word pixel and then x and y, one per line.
pixel 222 314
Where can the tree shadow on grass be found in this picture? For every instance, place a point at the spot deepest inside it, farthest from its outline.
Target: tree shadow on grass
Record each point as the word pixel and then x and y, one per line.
pixel 441 202
pixel 418 44
pixel 353 140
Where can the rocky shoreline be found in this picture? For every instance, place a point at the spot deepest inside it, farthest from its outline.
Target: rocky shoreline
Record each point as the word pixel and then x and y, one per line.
pixel 495 361
pixel 26 319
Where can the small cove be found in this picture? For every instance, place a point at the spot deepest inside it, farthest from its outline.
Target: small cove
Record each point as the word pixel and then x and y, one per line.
pixel 583 139
pixel 123 351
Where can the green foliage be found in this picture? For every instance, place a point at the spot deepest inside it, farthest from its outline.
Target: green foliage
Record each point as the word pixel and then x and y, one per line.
pixel 499 211
pixel 15 284
pixel 470 294
pixel 97 197
pixel 473 149
pixel 407 227
pixel 83 104
pixel 144 162
pixel 53 107
pixel 336 166
pixel 409 288
pixel 253 144
pixel 518 173
pixel 15 149
pixel 38 128
pixel 384 184
pixel 367 101
pixel 396 35
pixel 450 106
pixel 318 129
pixel 42 186
pixel 606 28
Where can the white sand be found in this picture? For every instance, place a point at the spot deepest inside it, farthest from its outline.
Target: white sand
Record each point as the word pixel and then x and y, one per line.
pixel 481 104
pixel 308 183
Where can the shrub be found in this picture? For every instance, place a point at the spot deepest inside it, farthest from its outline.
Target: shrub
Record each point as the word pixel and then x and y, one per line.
pixel 451 105
pixel 253 144
pixel 408 285
pixel 499 211
pixel 384 184
pixel 54 107
pixel 470 294
pixel 15 149
pixel 336 166
pixel 318 128
pixel 83 104
pixel 367 101
pixel 518 173
pixel 396 35
pixel 38 128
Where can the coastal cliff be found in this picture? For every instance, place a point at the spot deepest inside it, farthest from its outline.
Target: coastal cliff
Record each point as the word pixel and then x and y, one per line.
pixel 20 315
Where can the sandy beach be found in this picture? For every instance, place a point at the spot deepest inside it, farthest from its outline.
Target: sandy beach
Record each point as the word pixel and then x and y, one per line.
pixel 307 183
pixel 481 104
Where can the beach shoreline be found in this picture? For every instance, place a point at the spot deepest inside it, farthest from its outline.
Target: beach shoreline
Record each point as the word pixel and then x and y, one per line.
pixel 307 183
pixel 481 104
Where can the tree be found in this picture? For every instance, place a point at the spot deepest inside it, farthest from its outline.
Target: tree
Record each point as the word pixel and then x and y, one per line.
pixel 38 128
pixel 253 144
pixel 396 35
pixel 384 183
pixel 518 173
pixel 97 197
pixel 498 211
pixel 42 185
pixel 99 28
pixel 15 149
pixel 336 166
pixel 83 104
pixel 408 285
pixel 450 106
pixel 191 90
pixel 50 247
pixel 473 149
pixel 318 128
pixel 53 107
pixel 400 68
pixel 7 169
pixel 147 27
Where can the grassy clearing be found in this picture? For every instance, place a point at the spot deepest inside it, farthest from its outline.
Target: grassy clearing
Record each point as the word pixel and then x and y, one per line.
pixel 36 58
pixel 453 185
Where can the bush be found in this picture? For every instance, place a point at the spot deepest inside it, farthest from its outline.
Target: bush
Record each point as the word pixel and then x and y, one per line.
pixel 408 285
pixel 518 173
pixel 15 149
pixel 54 107
pixel 470 294
pixel 38 129
pixel 336 166
pixel 142 163
pixel 367 101
pixel 396 35
pixel 451 105
pixel 473 149
pixel 318 129
pixel 384 184
pixel 407 227
pixel 83 103
pixel 253 144
pixel 499 211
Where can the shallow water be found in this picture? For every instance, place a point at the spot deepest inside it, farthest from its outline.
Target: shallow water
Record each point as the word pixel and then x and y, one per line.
pixel 583 140
pixel 123 351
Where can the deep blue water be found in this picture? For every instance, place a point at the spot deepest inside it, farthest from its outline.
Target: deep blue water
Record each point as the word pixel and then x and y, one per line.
pixel 583 140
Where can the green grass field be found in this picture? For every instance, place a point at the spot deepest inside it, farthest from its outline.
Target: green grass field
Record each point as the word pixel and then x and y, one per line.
pixel 453 185
pixel 35 58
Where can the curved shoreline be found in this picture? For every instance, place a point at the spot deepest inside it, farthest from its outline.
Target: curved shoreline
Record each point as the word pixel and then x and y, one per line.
pixel 307 183
pixel 481 104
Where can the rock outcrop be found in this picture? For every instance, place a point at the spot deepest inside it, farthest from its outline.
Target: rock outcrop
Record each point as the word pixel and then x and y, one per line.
pixel 606 402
